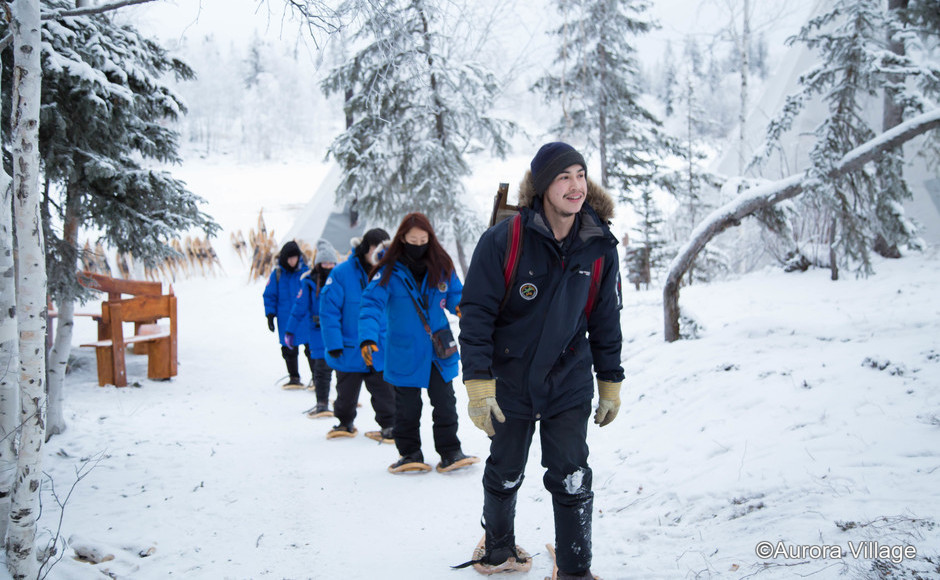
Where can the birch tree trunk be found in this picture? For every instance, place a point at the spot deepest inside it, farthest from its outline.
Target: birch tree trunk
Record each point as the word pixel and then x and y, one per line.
pixel 9 353
pixel 30 288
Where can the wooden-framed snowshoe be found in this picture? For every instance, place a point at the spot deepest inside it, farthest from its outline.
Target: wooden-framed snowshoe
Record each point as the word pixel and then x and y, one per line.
pixel 320 411
pixel 520 562
pixel 383 436
pixel 456 461
pixel 293 384
pixel 554 576
pixel 409 465
pixel 341 431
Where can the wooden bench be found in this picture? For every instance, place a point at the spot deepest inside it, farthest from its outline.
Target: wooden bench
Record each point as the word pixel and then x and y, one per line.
pixel 144 308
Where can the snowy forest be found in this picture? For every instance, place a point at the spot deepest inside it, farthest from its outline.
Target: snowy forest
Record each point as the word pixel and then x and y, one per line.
pixel 412 99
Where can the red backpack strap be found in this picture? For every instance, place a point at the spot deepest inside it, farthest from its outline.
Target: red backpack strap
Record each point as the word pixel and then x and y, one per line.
pixel 596 271
pixel 513 251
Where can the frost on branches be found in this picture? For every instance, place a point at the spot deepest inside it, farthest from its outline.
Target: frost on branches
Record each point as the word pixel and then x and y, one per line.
pixel 865 50
pixel 414 110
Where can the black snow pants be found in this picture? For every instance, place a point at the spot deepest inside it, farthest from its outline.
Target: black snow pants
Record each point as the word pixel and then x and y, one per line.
pixel 348 386
pixel 408 406
pixel 567 477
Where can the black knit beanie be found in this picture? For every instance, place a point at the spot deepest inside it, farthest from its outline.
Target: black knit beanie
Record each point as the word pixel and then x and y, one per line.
pixel 552 159
pixel 288 250
pixel 372 238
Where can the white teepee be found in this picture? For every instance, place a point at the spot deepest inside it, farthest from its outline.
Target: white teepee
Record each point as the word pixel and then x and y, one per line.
pixel 323 217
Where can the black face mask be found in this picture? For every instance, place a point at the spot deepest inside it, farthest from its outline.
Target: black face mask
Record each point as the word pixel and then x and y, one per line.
pixel 414 252
pixel 322 274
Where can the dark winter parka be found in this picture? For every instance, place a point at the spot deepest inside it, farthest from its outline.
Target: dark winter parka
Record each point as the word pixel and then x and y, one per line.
pixel 540 345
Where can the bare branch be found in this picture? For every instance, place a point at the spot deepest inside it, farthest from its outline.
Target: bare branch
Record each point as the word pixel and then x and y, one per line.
pixel 57 14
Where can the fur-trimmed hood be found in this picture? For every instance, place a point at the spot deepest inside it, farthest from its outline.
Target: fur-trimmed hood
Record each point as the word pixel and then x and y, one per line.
pixel 597 197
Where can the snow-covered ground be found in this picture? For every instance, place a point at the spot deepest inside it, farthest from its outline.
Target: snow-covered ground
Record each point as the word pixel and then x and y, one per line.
pixel 806 415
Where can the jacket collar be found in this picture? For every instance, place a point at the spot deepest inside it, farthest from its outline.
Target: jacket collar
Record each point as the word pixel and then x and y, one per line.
pixel 587 225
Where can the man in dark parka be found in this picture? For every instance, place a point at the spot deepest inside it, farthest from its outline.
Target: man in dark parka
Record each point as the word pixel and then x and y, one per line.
pixel 529 358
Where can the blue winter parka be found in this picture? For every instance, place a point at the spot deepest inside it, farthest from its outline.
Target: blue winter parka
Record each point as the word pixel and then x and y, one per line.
pixel 305 315
pixel 540 346
pixel 410 354
pixel 340 302
pixel 279 296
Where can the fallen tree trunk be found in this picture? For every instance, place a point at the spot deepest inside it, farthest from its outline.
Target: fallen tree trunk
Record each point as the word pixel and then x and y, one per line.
pixel 765 196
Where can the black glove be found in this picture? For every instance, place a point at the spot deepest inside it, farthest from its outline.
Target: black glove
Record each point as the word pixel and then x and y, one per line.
pixel 336 353
pixel 271 322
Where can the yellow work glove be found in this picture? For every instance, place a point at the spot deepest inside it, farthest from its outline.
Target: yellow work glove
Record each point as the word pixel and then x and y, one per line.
pixel 482 406
pixel 609 405
pixel 367 348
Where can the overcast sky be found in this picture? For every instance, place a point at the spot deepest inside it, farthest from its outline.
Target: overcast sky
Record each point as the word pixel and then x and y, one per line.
pixel 237 20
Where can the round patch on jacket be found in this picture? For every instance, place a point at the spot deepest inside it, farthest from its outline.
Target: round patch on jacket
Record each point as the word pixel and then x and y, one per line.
pixel 528 291
pixel 442 286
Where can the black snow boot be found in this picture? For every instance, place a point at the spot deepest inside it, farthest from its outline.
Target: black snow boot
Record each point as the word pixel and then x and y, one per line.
pixel 293 370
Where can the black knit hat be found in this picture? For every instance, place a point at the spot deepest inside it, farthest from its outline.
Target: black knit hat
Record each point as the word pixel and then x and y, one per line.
pixel 288 250
pixel 552 159
pixel 370 239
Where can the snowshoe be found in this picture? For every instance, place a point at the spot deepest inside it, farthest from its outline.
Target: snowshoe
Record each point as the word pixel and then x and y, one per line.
pixel 519 561
pixel 292 384
pixel 342 431
pixel 409 464
pixel 556 575
pixel 310 386
pixel 383 436
pixel 320 411
pixel 455 460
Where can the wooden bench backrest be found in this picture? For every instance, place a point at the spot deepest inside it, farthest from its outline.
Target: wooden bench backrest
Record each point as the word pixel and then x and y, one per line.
pixel 143 308
pixel 115 286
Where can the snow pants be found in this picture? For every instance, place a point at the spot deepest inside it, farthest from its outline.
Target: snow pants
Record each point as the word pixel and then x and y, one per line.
pixel 290 358
pixel 348 386
pixel 567 477
pixel 321 378
pixel 408 406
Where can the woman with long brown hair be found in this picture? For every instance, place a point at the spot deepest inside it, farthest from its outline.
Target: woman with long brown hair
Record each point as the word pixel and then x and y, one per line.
pixel 411 286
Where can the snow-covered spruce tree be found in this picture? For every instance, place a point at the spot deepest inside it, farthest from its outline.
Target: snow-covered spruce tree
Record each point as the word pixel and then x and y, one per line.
pixel 596 82
pixel 645 253
pixel 855 66
pixel 104 113
pixel 669 82
pixel 691 186
pixel 418 108
pixel 919 20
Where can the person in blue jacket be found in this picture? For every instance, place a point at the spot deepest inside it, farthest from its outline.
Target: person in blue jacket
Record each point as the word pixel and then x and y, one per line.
pixel 339 322
pixel 305 315
pixel 279 295
pixel 528 351
pixel 412 286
